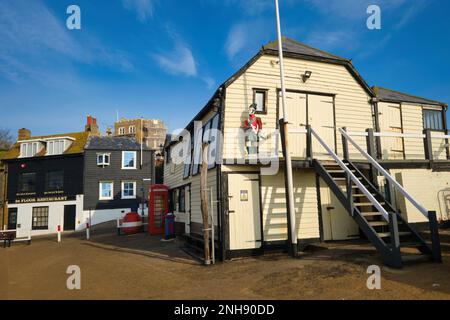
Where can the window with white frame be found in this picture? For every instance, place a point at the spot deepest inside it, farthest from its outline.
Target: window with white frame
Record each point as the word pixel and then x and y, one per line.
pixel 132 129
pixel 106 190
pixel 128 190
pixel 29 149
pixel 129 159
pixel 103 159
pixel 55 147
pixel 122 130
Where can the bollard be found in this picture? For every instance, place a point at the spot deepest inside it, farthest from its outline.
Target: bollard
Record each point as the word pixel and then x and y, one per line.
pixel 59 233
pixel 88 226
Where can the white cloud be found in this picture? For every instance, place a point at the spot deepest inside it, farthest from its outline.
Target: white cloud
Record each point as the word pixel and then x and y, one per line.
pixel 143 8
pixel 248 36
pixel 34 44
pixel 329 40
pixel 178 61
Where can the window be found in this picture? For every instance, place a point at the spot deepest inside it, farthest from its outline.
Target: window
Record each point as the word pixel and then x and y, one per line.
pixel 129 160
pixel 39 218
pixel 56 147
pixel 260 99
pixel 54 181
pixel 106 191
pixel 29 149
pixel 182 200
pixel 198 136
pixel 214 142
pixel 188 163
pixel 132 129
pixel 103 159
pixel 122 130
pixel 433 120
pixel 129 190
pixel 27 182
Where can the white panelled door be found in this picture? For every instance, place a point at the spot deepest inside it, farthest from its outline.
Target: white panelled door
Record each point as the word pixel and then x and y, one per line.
pixel 296 110
pixel 244 211
pixel 321 119
pixel 315 110
pixel 390 116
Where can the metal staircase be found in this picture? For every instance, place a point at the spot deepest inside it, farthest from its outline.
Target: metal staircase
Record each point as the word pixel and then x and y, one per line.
pixel 383 226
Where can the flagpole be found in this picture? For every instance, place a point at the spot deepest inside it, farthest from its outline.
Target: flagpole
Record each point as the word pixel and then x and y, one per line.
pixel 292 234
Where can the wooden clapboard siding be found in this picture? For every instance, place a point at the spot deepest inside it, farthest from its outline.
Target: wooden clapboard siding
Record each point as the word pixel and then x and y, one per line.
pixel 413 123
pixel 353 109
pixel 428 188
pixel 274 206
pixel 173 178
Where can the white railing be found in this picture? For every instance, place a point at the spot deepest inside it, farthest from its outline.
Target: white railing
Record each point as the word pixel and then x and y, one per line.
pixel 355 180
pixel 397 185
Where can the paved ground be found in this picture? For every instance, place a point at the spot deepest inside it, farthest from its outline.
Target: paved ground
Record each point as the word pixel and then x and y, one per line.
pixel 143 267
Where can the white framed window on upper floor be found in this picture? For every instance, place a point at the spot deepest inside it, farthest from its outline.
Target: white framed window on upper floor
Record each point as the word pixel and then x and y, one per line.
pixel 106 190
pixel 132 129
pixel 103 159
pixel 55 147
pixel 128 189
pixel 260 99
pixel 121 130
pixel 129 159
pixel 29 149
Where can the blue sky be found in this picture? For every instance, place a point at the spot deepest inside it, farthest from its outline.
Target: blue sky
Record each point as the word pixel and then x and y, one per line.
pixel 164 58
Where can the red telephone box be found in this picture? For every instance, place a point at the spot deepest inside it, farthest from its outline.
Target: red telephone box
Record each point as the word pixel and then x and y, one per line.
pixel 158 208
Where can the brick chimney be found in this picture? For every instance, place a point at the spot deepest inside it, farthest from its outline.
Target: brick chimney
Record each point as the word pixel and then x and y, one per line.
pixel 91 126
pixel 24 134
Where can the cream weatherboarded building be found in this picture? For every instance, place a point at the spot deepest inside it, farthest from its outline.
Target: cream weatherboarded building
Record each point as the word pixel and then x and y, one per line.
pixel 350 144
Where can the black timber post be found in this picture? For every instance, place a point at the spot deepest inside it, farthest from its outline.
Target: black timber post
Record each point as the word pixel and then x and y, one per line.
pixel 435 241
pixel 428 146
pixel 372 151
pixel 308 142
pixel 395 240
pixel 345 146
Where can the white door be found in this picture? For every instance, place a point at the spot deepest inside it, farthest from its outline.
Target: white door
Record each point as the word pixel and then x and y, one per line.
pixel 390 117
pixel 244 211
pixel 321 119
pixel 296 109
pixel 337 223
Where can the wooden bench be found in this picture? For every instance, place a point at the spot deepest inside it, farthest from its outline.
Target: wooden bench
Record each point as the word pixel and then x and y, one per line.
pixel 7 237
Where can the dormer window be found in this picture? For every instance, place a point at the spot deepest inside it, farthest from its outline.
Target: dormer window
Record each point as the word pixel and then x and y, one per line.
pixel 56 147
pixel 29 149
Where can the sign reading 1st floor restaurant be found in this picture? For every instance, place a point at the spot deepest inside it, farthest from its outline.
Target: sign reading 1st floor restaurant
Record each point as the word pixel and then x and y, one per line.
pixel 43 199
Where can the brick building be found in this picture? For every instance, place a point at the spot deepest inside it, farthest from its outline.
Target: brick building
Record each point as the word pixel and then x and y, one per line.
pixel 151 132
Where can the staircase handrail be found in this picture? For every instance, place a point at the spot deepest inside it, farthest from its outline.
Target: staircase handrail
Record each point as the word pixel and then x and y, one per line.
pixel 380 169
pixel 366 192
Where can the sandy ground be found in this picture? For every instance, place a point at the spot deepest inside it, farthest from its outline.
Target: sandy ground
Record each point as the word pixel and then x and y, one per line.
pixel 142 267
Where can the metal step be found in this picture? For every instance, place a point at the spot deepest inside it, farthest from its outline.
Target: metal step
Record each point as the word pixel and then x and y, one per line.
pixel 342 179
pixel 366 204
pixel 410 244
pixel 371 214
pixel 378 223
pixel 388 234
